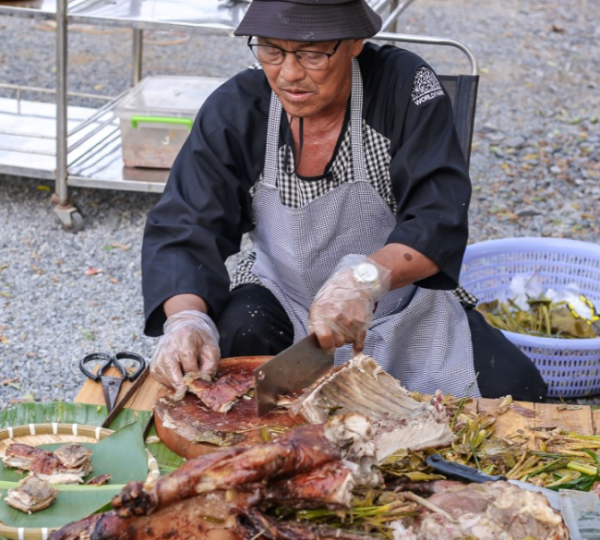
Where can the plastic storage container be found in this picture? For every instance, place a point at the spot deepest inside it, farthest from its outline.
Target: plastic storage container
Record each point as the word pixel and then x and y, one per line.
pixel 157 116
pixel 571 367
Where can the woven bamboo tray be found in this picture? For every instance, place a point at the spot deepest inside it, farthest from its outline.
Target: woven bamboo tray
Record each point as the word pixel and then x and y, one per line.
pixel 38 434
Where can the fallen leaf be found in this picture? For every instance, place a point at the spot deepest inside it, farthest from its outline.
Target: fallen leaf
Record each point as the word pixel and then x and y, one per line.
pixel 43 188
pixel 9 381
pixel 124 247
pixel 88 334
pixel 5 294
pixel 113 280
pixel 93 271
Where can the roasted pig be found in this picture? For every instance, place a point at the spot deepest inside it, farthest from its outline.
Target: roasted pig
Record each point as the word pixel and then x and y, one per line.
pixel 31 495
pixel 206 517
pixel 258 525
pixel 223 393
pixel 298 451
pixel 361 386
pixel 30 458
pixel 99 480
pixel 69 464
pixel 488 511
pixel 74 456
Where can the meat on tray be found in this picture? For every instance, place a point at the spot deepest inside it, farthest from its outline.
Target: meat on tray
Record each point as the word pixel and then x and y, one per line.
pixel 68 464
pixel 31 495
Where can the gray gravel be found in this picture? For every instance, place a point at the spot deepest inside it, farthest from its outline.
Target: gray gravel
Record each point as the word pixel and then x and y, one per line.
pixel 535 168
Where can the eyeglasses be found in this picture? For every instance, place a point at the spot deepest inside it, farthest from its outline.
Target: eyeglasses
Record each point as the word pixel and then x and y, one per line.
pixel 269 54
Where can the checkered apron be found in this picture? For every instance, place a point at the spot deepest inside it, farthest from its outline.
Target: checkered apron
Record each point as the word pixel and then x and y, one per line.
pixel 418 335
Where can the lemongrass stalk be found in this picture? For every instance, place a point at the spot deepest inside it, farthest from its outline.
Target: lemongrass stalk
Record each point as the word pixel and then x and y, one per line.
pixel 575 453
pixel 545 467
pixel 579 436
pixel 563 480
pixel 520 469
pixel 513 472
pixel 582 468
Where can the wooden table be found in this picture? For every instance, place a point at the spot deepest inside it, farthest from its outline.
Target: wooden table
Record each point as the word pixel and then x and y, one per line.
pixel 522 416
pixel 143 400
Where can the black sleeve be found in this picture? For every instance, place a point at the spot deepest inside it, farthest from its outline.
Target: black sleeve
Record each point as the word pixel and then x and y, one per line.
pixel 429 175
pixel 206 205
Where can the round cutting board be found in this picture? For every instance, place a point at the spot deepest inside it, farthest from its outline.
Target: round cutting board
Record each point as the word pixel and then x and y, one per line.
pixel 185 426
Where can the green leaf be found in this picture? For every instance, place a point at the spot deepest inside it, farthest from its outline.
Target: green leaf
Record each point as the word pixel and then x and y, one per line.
pixel 167 460
pixel 67 413
pixel 122 454
pixel 89 415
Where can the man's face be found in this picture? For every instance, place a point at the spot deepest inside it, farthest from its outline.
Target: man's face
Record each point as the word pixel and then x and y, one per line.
pixel 305 92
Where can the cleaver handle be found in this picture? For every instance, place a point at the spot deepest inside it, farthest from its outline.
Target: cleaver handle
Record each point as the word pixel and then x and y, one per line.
pixel 459 471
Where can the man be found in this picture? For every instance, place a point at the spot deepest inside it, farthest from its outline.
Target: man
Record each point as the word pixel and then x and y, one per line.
pixel 341 160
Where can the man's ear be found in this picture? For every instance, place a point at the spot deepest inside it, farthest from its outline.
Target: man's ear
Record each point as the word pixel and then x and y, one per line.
pixel 357 47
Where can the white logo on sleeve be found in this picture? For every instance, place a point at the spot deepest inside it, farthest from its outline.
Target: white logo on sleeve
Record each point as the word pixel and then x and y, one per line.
pixel 426 86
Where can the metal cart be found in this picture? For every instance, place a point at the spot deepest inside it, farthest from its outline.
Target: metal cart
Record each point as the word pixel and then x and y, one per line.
pixel 78 146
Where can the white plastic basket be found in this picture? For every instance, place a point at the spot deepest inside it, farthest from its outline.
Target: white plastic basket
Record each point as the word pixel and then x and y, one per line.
pixel 571 367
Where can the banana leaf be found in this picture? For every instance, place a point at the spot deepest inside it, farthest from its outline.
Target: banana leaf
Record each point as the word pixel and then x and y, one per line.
pixel 90 415
pixel 122 454
pixel 67 413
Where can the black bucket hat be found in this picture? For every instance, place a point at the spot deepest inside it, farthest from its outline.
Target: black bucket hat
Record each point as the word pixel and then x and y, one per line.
pixel 309 20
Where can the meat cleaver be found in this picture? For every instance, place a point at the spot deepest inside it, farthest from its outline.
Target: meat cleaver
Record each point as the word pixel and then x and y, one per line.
pixel 580 510
pixel 290 372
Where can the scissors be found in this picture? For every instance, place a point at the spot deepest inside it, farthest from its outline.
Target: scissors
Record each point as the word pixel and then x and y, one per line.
pixel 111 386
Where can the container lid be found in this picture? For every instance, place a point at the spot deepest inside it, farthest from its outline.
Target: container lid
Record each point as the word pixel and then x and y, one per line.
pixel 163 95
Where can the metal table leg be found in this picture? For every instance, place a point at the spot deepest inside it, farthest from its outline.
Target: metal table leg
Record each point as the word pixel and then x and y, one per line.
pixel 138 49
pixel 67 213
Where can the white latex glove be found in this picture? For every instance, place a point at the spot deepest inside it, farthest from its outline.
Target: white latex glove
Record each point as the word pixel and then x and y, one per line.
pixel 190 343
pixel 342 310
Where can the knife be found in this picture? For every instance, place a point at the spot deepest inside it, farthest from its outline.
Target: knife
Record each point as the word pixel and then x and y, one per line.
pixel 130 392
pixel 290 372
pixel 580 510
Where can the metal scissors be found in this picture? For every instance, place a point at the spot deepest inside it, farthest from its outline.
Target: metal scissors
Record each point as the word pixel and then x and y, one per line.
pixel 111 385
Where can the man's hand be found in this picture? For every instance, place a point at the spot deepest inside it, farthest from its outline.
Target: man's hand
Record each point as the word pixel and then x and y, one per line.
pixel 342 310
pixel 190 343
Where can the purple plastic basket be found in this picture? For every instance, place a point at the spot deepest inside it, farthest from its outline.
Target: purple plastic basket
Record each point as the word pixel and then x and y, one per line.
pixel 571 367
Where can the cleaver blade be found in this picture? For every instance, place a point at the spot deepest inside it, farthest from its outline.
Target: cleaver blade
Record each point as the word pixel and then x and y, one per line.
pixel 290 372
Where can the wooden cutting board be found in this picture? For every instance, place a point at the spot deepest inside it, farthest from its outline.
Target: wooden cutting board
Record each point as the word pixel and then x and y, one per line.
pixel 522 416
pixel 185 426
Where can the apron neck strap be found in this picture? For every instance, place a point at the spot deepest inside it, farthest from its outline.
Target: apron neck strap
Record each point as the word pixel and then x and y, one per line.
pixel 356 104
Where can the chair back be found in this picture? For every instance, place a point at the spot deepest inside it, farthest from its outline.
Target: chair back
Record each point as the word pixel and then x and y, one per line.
pixel 462 90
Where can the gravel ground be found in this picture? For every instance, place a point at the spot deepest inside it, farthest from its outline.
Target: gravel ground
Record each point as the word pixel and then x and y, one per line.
pixel 535 168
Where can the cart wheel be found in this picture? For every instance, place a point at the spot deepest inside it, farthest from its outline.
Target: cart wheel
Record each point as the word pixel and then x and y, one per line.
pixel 69 217
pixel 77 222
